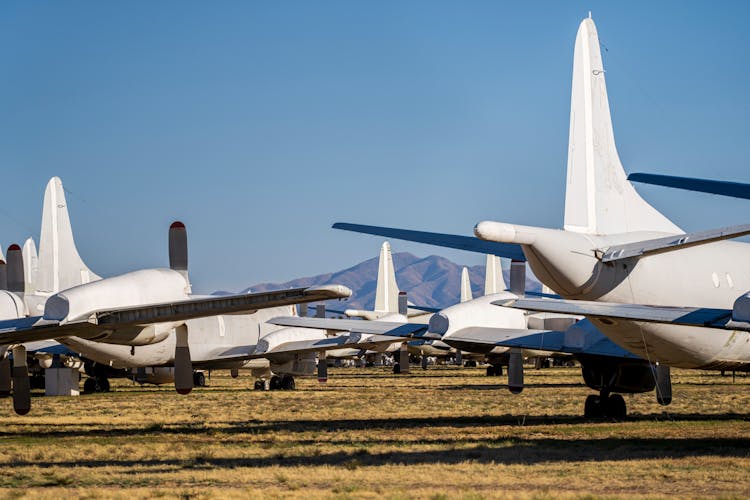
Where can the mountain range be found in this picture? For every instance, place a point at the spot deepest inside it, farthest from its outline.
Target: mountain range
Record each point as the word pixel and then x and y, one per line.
pixel 430 281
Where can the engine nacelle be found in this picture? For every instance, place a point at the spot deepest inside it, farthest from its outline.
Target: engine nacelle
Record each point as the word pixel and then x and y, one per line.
pixel 741 308
pixel 137 288
pixel 11 306
pixel 626 376
pixel 477 313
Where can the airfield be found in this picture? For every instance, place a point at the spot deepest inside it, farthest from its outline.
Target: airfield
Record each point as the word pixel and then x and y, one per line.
pixel 441 433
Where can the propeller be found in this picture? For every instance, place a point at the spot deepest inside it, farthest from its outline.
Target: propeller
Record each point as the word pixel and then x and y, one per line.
pixel 518 277
pixel 3 275
pixel 21 384
pixel 320 312
pixel 303 310
pixel 403 353
pixel 15 277
pixel 5 379
pixel 183 365
pixel 178 261
pixel 663 385
pixel 515 371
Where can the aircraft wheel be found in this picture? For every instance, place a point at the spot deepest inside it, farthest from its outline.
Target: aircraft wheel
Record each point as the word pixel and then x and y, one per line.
pixel 491 371
pixel 89 385
pixel 615 407
pixel 396 368
pixel 259 385
pixel 199 379
pixel 275 383
pixel 287 383
pixel 103 384
pixel 593 407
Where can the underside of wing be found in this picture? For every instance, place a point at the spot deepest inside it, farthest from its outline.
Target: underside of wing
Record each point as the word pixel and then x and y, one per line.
pixel 689 316
pixel 389 328
pixel 468 243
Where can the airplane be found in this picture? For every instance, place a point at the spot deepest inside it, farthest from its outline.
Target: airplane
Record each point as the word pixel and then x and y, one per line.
pixel 674 298
pixel 150 314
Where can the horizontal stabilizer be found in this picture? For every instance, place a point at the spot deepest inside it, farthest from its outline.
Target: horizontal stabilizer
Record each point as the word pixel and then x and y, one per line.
pixel 467 243
pixel 376 327
pixel 688 316
pixel 723 188
pixel 671 243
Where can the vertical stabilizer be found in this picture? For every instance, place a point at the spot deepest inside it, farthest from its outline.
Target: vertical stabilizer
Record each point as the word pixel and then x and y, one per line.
pixel 59 266
pixel 30 265
pixel 386 293
pixel 493 277
pixel 598 197
pixel 465 286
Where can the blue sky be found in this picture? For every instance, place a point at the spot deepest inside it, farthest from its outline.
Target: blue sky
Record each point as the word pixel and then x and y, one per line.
pixel 260 124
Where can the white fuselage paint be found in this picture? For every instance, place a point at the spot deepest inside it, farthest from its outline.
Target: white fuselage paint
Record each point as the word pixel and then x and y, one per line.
pixel 686 277
pixel 241 333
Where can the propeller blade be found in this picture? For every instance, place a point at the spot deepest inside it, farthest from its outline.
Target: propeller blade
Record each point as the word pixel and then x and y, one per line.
pixel 518 277
pixel 5 379
pixel 178 248
pixel 322 367
pixel 15 277
pixel 21 383
pixel 183 365
pixel 663 385
pixel 515 371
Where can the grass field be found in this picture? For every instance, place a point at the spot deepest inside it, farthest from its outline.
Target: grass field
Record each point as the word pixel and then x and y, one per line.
pixel 447 432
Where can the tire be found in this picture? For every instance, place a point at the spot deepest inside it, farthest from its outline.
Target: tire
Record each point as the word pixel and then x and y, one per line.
pixel 199 379
pixel 287 383
pixel 275 383
pixel 593 407
pixel 396 368
pixel 490 371
pixel 103 384
pixel 89 385
pixel 615 407
pixel 258 385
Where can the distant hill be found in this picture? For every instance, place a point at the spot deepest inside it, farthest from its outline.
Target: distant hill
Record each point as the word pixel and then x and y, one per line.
pixel 432 281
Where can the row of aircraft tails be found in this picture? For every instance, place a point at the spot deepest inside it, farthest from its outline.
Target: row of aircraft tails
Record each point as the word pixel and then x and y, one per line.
pixel 628 294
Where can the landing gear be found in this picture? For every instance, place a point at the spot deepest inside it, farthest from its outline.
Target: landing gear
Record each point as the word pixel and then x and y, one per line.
pixel 612 406
pixel 287 383
pixel 199 379
pixel 495 370
pixel 95 384
pixel 470 364
pixel 282 383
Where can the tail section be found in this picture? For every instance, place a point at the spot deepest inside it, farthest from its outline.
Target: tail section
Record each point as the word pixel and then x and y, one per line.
pixel 30 265
pixel 598 197
pixel 386 293
pixel 465 286
pixel 493 278
pixel 59 265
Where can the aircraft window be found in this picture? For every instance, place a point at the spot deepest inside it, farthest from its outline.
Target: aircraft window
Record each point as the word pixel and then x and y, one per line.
pixel 729 281
pixel 715 277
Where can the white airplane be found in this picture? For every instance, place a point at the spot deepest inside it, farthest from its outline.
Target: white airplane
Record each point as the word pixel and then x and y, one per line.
pixel 148 315
pixel 674 298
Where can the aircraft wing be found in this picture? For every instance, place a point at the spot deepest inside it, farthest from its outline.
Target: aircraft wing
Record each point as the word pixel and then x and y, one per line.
pixel 671 243
pixel 100 322
pixel 688 316
pixel 724 188
pixel 468 243
pixel 574 341
pixel 389 328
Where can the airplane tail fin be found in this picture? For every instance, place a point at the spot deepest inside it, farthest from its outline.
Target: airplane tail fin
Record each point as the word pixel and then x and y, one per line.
pixel 493 278
pixel 465 286
pixel 598 197
pixel 386 292
pixel 59 266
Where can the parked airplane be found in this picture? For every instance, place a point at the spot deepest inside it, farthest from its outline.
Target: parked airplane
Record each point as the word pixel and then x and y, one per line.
pixel 149 315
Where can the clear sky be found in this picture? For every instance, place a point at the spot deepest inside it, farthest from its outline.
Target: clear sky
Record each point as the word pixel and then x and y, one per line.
pixel 259 124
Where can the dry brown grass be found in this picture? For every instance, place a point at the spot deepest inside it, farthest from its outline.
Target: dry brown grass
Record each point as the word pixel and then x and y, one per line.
pixel 446 432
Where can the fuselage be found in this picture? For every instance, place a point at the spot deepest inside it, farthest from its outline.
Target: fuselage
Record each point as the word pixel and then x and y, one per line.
pixel 711 276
